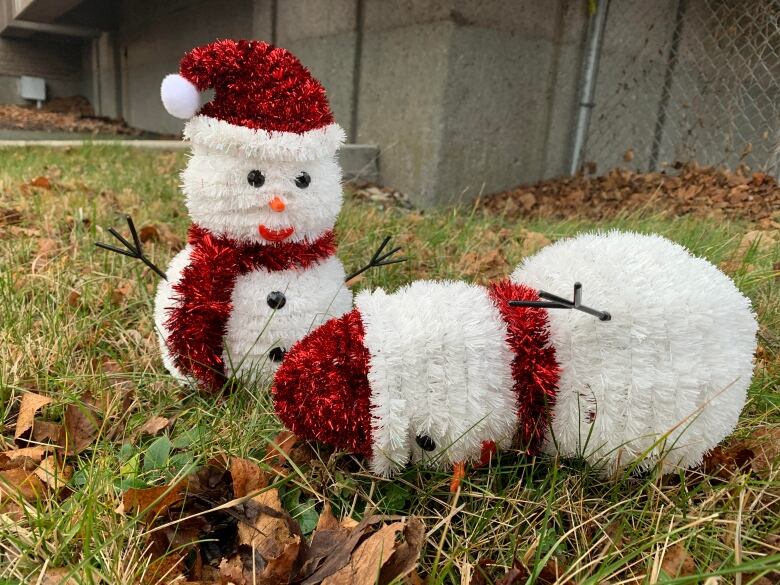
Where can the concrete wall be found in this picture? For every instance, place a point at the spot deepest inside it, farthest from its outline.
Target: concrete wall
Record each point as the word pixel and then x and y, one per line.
pixel 58 62
pixel 152 38
pixel 462 96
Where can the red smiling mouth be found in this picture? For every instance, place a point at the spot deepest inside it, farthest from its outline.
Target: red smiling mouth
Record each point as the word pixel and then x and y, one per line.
pixel 275 235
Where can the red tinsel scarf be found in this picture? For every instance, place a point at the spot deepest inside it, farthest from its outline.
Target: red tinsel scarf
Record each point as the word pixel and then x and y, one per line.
pixel 535 369
pixel 197 322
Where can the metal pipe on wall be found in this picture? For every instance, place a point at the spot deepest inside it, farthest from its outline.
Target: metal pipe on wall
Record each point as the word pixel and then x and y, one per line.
pixel 588 86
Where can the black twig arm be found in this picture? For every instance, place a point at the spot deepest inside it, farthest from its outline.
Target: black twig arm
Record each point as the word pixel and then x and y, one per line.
pixel 134 250
pixel 555 302
pixel 378 259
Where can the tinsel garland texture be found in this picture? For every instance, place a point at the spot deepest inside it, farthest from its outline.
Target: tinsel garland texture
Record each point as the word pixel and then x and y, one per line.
pixel 322 390
pixel 197 322
pixel 258 86
pixel 535 369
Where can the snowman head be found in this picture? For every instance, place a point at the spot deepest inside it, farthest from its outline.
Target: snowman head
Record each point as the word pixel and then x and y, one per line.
pixel 263 165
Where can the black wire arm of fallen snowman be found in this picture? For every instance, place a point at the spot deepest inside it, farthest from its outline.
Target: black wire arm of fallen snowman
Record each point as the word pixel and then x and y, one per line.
pixel 135 250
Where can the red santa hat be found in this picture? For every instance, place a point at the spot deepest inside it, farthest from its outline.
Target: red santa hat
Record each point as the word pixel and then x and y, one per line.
pixel 266 103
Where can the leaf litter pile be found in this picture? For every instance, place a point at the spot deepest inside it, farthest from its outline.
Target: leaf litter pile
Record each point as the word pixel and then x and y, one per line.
pixel 224 523
pixel 72 114
pixel 701 191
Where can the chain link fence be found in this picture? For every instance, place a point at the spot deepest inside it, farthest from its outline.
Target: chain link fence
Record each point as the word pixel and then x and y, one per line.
pixel 688 80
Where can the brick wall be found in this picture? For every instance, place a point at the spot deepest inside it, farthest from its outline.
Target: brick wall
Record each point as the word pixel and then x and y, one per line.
pixel 57 62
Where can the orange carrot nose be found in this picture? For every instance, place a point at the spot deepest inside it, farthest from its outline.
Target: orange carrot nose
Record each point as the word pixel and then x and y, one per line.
pixel 277 204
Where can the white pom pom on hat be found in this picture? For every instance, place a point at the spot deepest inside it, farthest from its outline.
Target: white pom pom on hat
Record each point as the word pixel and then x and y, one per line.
pixel 179 96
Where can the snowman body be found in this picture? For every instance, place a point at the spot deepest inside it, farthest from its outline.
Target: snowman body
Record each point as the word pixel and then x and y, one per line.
pixel 263 189
pixel 443 372
pixel 271 311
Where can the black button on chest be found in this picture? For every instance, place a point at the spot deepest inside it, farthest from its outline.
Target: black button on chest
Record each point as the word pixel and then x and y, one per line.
pixel 276 354
pixel 276 299
pixel 425 442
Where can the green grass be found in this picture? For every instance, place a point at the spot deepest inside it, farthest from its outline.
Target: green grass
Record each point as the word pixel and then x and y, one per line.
pixel 535 510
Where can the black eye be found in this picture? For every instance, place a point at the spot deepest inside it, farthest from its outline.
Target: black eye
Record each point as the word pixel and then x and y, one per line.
pixel 255 178
pixel 303 180
pixel 425 443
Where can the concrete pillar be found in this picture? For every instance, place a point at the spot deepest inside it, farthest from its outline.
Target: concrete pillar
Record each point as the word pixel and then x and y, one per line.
pixel 458 94
pixel 155 35
pixel 323 34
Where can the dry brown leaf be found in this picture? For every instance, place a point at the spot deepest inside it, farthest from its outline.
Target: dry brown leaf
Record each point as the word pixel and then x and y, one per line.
pixel 153 501
pixel 73 298
pixel 15 457
pixel 154 425
pixel 527 201
pixel 47 247
pixel 45 431
pixel 149 233
pixel 41 183
pixel 31 403
pixel 20 483
pixel 54 472
pixel 267 533
pixel 407 552
pixel 628 156
pixel 329 536
pixel 279 449
pixel 121 292
pixel 758 452
pixel 677 562
pixel 247 477
pixel 59 576
pixel 484 267
pixel 10 216
pixel 82 425
pixel 369 558
pixel 533 242
pixel 232 571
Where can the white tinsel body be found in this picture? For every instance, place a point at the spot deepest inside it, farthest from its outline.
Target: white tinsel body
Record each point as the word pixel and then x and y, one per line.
pixel 666 378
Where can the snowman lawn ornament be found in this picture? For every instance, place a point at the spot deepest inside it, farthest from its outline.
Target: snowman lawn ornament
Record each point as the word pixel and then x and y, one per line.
pixel 263 188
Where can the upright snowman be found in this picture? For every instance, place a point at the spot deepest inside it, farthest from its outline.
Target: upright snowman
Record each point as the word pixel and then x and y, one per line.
pixel 263 188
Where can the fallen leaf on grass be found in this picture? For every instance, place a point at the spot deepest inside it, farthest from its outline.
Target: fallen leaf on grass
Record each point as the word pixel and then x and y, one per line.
pixel 153 426
pixel 82 425
pixel 20 483
pixel 149 233
pixel 19 457
pixel 41 182
pixel 369 558
pixel 54 472
pixel 247 477
pixel 9 216
pixel 73 298
pixel 677 562
pixel 256 540
pixel 483 267
pixel 45 431
pixel 533 242
pixel 759 452
pixel 58 576
pixel 31 403
pixel 153 501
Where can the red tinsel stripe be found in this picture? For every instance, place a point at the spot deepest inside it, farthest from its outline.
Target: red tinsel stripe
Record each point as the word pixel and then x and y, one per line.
pixel 321 390
pixel 257 85
pixel 197 322
pixel 535 370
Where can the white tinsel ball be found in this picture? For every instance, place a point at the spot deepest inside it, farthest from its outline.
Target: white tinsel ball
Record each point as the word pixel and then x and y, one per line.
pixel 665 379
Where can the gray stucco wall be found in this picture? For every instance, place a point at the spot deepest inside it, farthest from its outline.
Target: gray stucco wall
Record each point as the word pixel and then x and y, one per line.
pixel 152 38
